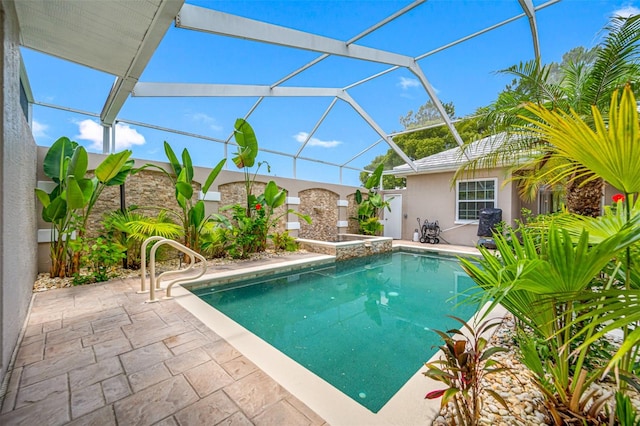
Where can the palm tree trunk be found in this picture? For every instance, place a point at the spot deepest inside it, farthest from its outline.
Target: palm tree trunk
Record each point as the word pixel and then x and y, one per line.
pixel 585 199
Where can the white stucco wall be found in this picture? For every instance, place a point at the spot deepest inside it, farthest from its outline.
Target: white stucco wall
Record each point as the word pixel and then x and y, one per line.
pixel 17 200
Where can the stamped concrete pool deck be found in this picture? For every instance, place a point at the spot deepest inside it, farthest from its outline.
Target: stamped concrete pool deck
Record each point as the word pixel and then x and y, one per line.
pixel 100 355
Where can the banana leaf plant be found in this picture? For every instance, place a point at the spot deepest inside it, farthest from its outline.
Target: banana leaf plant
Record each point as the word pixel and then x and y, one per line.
pixel 68 206
pixel 191 215
pixel 273 198
pixel 245 158
pixel 370 204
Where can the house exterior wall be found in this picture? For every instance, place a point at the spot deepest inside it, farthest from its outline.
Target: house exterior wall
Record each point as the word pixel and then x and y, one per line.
pixel 432 197
pixel 17 199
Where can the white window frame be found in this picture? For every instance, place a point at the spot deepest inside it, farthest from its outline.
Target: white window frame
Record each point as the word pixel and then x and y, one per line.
pixel 495 198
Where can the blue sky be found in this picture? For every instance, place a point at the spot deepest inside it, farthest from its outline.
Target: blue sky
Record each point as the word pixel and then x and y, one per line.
pixel 463 74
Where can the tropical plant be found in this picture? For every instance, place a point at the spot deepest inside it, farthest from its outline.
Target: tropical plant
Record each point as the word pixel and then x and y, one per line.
pixel 191 215
pixel 215 240
pixel 625 412
pixel 608 151
pixel 129 229
pixel 101 255
pixel 467 361
pixel 282 241
pixel 252 230
pixel 584 81
pixel 245 158
pixel 541 285
pixel 370 204
pixel 255 221
pixel 68 206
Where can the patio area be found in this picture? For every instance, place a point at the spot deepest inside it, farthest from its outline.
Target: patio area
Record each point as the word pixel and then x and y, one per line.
pixel 99 355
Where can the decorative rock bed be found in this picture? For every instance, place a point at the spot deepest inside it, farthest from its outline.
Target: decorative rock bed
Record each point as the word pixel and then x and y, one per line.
pixel 525 401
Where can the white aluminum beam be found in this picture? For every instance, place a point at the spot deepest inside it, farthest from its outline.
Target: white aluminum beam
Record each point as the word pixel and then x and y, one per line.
pixel 227 90
pixel 530 10
pixel 370 147
pixel 168 130
pixel 106 138
pixel 417 71
pixel 350 41
pixel 315 128
pixel 214 22
pixel 348 99
pixel 68 109
pixel 123 85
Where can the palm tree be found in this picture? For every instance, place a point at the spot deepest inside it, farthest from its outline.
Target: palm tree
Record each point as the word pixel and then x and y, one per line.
pixel 583 83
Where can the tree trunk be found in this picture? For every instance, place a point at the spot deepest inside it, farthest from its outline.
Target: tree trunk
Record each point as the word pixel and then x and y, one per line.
pixel 585 199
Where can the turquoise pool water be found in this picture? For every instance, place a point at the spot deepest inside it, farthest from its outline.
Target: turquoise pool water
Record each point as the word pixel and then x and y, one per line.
pixel 363 325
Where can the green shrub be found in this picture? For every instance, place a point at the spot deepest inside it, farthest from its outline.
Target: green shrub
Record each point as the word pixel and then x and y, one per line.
pixel 282 241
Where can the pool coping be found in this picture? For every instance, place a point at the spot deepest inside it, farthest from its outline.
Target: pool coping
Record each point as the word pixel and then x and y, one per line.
pixel 407 406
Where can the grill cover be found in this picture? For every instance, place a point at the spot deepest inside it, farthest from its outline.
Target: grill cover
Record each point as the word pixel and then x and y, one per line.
pixel 489 218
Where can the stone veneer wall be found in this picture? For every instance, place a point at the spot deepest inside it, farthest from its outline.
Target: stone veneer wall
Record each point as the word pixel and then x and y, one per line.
pixel 153 188
pixel 235 193
pixel 349 250
pixel 322 206
pixel 352 211
pixel 144 189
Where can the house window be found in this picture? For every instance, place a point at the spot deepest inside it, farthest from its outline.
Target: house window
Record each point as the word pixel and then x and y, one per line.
pixel 473 196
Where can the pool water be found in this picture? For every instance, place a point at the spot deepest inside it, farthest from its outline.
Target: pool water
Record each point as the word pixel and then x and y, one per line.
pixel 363 325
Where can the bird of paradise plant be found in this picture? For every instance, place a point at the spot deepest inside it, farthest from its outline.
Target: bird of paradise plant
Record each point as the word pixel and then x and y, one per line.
pixel 68 206
pixel 191 215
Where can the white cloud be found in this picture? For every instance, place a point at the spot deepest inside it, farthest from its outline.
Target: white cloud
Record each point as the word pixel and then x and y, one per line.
pixel 38 129
pixel 207 120
pixel 407 83
pixel 302 136
pixel 125 135
pixel 626 11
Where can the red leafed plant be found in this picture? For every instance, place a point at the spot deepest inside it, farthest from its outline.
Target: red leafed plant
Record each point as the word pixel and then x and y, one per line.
pixel 466 361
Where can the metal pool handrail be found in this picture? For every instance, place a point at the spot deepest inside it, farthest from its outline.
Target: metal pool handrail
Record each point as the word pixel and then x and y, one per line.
pixel 143 263
pixel 154 284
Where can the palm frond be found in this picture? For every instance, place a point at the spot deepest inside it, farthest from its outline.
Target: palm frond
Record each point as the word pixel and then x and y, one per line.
pixel 616 62
pixel 610 152
pixel 144 228
pixel 576 77
pixel 601 227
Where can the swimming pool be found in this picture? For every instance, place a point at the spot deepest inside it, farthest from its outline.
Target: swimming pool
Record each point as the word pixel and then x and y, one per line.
pixel 364 325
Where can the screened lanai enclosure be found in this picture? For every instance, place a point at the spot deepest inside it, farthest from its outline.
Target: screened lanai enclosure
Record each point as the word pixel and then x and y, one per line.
pixel 323 83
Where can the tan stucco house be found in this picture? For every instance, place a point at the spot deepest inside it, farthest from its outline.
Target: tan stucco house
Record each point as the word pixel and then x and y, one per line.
pixel 432 194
